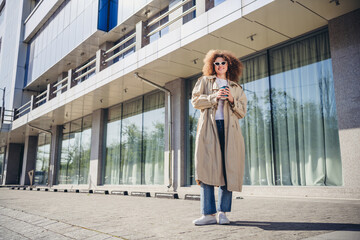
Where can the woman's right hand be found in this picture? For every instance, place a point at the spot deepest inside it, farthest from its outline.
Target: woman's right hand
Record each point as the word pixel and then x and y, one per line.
pixel 221 93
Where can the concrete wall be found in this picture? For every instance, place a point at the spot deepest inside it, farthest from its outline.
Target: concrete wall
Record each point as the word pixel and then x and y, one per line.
pixel 345 53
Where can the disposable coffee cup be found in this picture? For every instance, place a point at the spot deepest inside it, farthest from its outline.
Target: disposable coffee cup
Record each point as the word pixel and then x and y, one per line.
pixel 225 96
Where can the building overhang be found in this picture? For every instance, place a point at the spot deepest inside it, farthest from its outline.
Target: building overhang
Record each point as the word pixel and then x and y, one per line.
pixel 243 30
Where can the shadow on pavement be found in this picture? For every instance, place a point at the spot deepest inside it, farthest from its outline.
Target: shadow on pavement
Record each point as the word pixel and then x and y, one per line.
pixel 297 226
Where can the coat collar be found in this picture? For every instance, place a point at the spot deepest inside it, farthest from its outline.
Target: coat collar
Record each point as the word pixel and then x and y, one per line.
pixel 213 78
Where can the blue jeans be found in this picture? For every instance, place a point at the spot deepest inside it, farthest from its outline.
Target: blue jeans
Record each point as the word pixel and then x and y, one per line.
pixel 207 196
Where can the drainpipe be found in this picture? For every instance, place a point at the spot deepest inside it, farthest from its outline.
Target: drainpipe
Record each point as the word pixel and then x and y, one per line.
pixel 43 130
pixel 168 94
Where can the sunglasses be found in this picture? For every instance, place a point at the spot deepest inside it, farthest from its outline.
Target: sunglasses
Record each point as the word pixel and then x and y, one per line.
pixel 220 63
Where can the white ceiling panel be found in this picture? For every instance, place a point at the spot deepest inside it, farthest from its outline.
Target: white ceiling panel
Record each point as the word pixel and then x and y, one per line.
pixel 328 9
pixel 241 31
pixel 173 69
pixel 185 57
pixel 287 18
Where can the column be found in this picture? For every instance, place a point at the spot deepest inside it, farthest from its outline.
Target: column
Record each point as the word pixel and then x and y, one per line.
pixel 141 39
pixel 55 151
pixel 177 88
pixel 97 147
pixel 13 163
pixel 29 162
pixel 344 45
pixel 200 7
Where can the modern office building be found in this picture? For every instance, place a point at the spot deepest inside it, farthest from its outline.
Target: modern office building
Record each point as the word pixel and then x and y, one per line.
pixel 96 93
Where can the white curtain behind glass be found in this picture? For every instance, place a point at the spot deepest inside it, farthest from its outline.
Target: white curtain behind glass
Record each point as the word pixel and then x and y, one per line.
pixel 304 114
pixel 256 126
pixel 131 142
pixel 153 138
pixel 112 163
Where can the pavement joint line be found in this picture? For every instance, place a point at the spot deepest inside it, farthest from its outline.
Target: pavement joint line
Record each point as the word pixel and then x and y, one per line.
pixel 14 232
pixel 44 229
pixel 73 225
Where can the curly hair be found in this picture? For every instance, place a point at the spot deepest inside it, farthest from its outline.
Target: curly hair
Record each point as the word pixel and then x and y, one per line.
pixel 235 67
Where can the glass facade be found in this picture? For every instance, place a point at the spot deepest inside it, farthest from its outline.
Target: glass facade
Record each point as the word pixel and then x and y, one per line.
pixel 41 175
pixel 135 141
pixel 75 152
pixel 290 130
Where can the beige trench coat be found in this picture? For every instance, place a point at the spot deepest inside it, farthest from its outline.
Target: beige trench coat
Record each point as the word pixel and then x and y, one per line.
pixel 208 164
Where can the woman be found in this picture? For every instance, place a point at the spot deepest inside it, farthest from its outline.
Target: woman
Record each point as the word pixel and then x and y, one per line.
pixel 219 150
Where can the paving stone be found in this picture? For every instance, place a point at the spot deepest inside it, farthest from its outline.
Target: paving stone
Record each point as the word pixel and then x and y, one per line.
pixel 81 216
pixel 81 233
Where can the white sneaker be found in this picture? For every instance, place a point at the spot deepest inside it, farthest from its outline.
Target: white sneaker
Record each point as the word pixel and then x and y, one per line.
pixel 205 220
pixel 223 219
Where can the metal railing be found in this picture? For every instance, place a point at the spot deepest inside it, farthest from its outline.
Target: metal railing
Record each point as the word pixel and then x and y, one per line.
pixel 65 80
pixel 23 109
pixel 156 20
pixel 7 116
pixel 88 72
pixel 41 98
pixel 111 57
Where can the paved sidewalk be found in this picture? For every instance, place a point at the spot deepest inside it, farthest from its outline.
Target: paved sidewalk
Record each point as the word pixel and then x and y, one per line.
pixel 57 215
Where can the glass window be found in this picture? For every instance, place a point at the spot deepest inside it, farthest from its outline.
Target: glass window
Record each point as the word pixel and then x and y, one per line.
pixel 306 140
pixel 290 129
pixel 257 125
pixel 75 152
pixel 131 142
pixel 113 139
pixel 194 115
pixel 135 141
pixel 41 175
pixel 153 134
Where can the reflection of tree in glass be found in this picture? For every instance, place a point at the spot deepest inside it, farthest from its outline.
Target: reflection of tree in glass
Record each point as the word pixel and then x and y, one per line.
pixel 153 150
pixel 131 152
pixel 193 121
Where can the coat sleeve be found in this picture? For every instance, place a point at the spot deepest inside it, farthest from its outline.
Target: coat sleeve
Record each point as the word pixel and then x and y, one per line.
pixel 199 99
pixel 240 103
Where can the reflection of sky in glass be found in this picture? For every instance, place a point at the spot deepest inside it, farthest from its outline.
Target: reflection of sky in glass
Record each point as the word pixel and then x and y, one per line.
pixel 258 90
pixel 86 139
pixel 217 2
pixel 113 133
pixel 303 83
pixel 151 118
